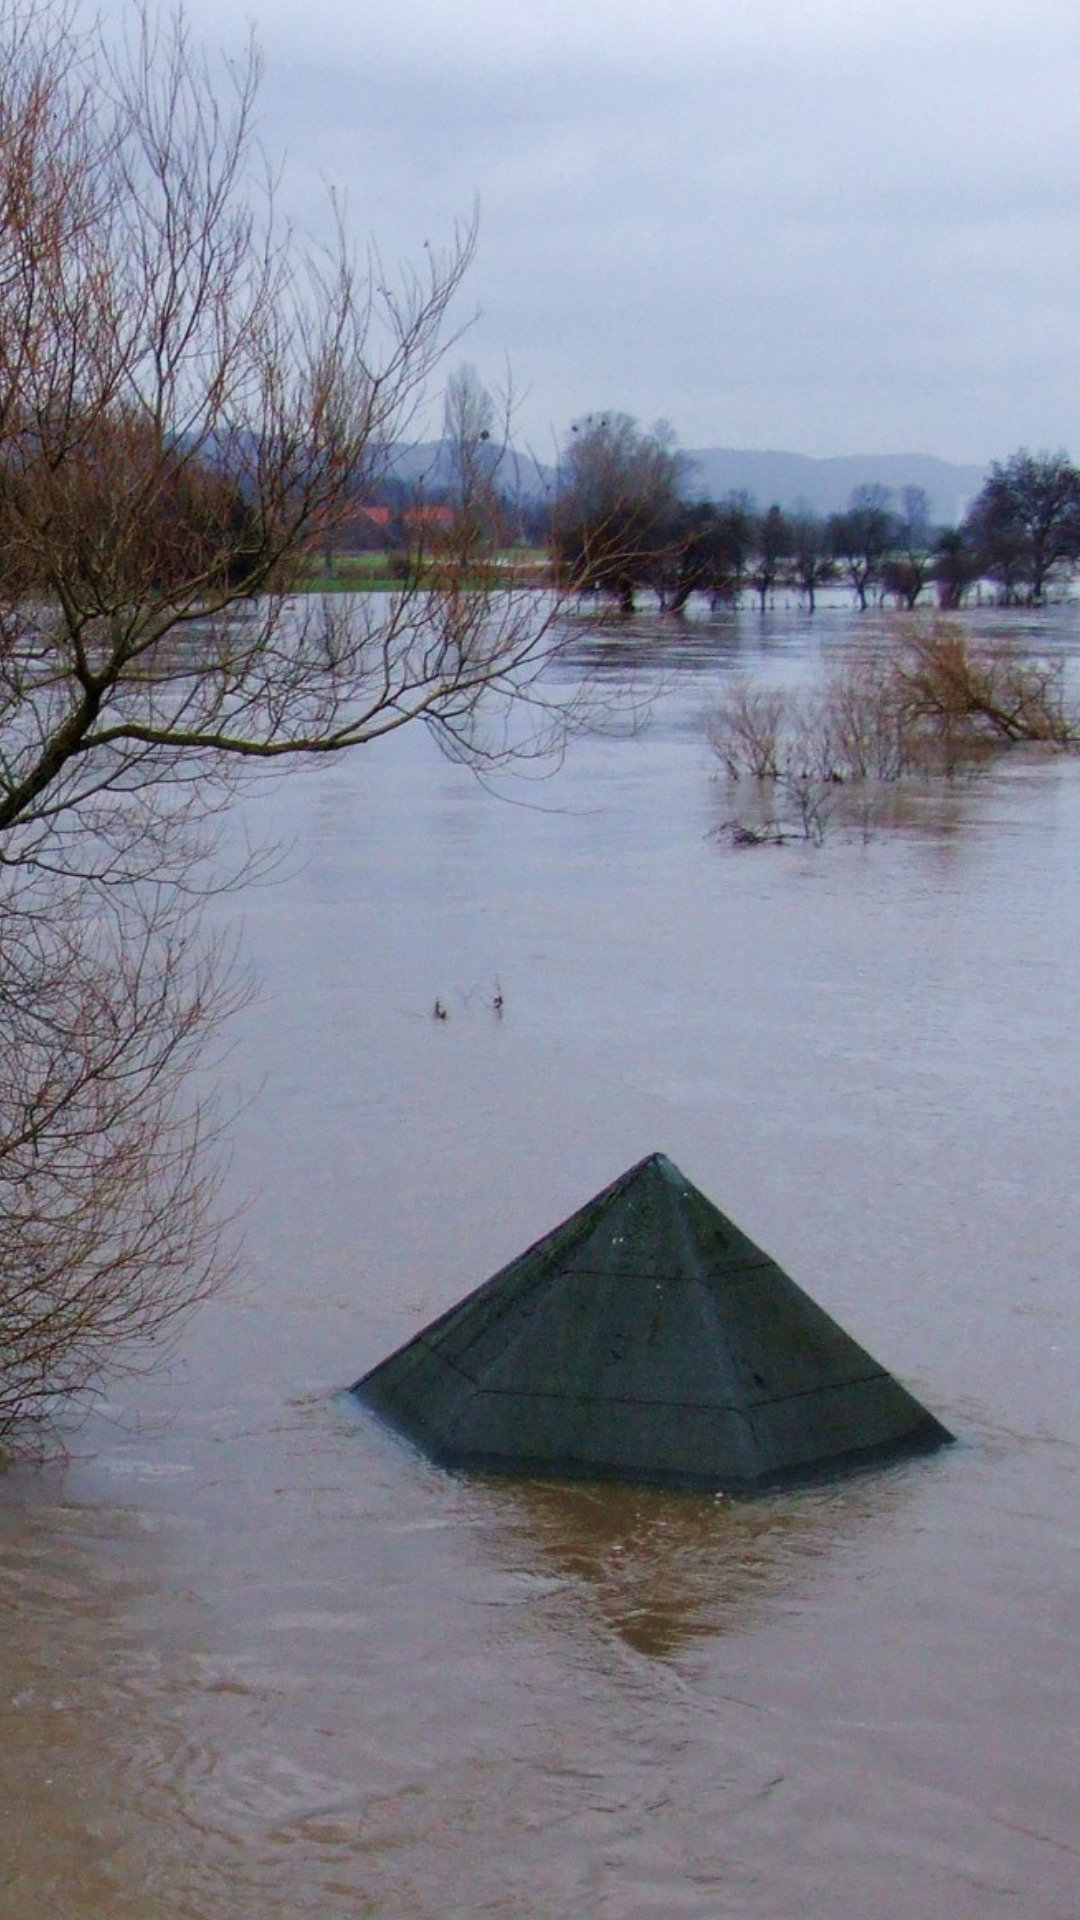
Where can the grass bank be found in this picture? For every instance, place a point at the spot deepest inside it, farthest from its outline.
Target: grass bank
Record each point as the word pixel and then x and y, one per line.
pixel 389 572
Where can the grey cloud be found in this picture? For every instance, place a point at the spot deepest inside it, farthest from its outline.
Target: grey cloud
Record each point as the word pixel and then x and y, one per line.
pixel 825 227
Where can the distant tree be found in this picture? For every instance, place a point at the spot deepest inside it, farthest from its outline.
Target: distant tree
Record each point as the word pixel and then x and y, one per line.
pixel 914 519
pixel 956 566
pixel 812 563
pixel 469 431
pixel 902 577
pixel 994 535
pixel 696 561
pixel 862 537
pixel 907 570
pixel 737 512
pixel 772 546
pixel 1025 522
pixel 617 507
pixel 475 448
pixel 712 549
pixel 532 519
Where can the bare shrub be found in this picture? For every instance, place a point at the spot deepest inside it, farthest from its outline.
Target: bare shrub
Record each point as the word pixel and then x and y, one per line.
pixel 862 721
pixel 963 695
pixel 794 807
pixel 807 801
pixel 935 702
pixel 750 730
pixel 938 695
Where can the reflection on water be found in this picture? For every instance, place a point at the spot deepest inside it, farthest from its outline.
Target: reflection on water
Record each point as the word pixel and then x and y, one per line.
pixel 663 1570
pixel 261 1660
pixel 698 643
pixel 80 1710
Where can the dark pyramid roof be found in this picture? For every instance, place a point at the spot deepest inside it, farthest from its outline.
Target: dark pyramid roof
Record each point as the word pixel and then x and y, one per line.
pixel 647 1339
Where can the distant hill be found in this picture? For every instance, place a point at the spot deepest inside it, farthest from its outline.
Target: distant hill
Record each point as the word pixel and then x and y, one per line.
pixel 793 480
pixel 429 466
pixel 789 480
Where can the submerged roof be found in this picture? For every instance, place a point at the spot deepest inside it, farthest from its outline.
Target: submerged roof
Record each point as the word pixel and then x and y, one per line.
pixel 647 1339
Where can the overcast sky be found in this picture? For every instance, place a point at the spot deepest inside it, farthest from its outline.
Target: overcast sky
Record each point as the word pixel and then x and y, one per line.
pixel 831 226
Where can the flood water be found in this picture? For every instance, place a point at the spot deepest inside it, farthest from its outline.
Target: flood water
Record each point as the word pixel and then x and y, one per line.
pixel 260 1661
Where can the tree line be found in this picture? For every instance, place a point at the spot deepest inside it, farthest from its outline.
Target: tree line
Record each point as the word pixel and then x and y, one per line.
pixel 622 524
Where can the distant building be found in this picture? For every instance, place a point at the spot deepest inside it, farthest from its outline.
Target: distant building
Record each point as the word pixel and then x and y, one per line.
pixel 420 523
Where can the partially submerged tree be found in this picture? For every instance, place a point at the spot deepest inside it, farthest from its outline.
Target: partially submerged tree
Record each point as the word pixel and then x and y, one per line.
pixel 1025 522
pixel 902 577
pixel 812 563
pixel 188 402
pixel 712 545
pixel 772 547
pixel 906 569
pixel 862 536
pixel 617 503
pixel 956 567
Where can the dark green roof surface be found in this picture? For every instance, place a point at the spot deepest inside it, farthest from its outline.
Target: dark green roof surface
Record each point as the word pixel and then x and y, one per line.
pixel 647 1339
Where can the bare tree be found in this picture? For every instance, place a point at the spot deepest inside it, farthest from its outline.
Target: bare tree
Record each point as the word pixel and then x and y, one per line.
pixel 862 537
pixel 471 433
pixel 616 507
pixel 772 546
pixel 1025 522
pixel 750 730
pixel 188 404
pixel 107 1184
pixel 812 564
pixel 956 567
pixel 157 342
pixel 481 493
pixel 711 549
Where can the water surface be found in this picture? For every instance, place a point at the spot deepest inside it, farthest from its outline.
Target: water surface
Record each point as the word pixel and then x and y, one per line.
pixel 260 1660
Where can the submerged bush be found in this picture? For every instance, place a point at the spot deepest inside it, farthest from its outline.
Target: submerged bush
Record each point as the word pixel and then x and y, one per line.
pixel 954 689
pixel 933 705
pixel 936 700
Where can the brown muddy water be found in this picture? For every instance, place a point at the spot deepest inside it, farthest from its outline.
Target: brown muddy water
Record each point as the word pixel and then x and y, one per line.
pixel 260 1661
